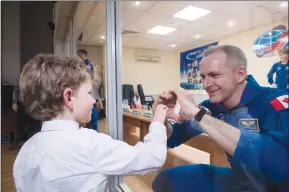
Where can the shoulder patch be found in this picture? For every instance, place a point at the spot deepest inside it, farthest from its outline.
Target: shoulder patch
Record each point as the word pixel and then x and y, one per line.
pixel 280 103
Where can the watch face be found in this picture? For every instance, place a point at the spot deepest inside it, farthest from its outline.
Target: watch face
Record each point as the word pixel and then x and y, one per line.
pixel 207 110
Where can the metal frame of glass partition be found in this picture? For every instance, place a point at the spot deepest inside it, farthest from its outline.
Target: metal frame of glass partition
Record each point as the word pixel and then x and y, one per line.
pixel 113 79
pixel 69 41
pixel 113 75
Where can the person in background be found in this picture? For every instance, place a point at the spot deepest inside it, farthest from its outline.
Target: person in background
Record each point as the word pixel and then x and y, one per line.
pixel 281 70
pixel 65 157
pixel 82 53
pixel 24 121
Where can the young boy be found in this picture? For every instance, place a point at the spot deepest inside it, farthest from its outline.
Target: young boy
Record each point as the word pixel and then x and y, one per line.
pixel 64 157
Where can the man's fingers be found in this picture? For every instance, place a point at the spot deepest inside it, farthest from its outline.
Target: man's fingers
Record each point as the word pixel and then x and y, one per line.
pixel 184 98
pixel 170 106
pixel 161 107
pixel 180 91
pixel 180 119
pixel 172 115
pixel 173 92
pixel 167 95
pixel 164 95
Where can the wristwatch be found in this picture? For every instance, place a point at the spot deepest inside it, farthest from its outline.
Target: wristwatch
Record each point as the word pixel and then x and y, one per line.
pixel 201 113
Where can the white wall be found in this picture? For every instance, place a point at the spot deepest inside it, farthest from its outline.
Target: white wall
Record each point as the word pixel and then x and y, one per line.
pixel 154 77
pixel 58 48
pixel 10 62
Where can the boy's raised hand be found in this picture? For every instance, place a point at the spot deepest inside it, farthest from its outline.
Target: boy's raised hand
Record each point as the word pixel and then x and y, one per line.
pixel 165 98
pixel 160 113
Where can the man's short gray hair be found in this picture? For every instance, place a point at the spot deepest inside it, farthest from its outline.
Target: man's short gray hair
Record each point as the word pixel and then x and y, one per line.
pixel 235 55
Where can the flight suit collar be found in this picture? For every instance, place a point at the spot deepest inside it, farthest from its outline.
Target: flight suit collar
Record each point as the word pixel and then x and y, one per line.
pixel 251 90
pixel 249 93
pixel 283 65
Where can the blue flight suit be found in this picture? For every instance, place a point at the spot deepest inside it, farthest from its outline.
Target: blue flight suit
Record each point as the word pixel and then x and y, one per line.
pixel 281 71
pixel 260 161
pixel 89 64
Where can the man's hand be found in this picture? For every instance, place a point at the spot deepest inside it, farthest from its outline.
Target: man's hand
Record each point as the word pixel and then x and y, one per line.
pixel 166 98
pixel 189 108
pixel 273 85
pixel 171 114
pixel 15 107
pixel 160 114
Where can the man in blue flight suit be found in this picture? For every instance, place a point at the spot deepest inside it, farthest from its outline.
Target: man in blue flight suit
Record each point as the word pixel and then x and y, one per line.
pixel 281 70
pixel 248 121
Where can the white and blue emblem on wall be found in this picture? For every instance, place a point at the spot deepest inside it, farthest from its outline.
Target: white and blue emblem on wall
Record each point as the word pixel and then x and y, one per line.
pixel 270 42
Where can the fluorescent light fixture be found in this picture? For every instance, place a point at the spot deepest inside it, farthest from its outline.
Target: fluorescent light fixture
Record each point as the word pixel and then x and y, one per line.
pixel 284 4
pixel 102 37
pixel 231 23
pixel 191 13
pixel 173 45
pixel 161 30
pixel 137 3
pixel 198 36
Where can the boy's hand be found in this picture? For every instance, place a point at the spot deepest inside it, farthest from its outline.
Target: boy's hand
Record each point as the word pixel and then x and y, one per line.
pixel 165 98
pixel 160 113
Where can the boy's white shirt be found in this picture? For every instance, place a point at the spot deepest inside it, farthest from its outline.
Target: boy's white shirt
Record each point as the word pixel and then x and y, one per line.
pixel 66 158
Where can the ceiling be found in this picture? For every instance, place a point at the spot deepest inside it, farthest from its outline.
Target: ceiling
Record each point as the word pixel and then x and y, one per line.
pixel 148 14
pixel 63 13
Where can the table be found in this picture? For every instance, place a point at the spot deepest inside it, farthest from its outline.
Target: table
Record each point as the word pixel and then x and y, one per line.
pixel 202 142
pixel 130 122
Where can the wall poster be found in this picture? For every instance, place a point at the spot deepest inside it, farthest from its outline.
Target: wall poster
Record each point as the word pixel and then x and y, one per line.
pixel 190 67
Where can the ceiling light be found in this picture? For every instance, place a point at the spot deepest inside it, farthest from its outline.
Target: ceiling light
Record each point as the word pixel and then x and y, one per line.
pixel 198 36
pixel 173 45
pixel 191 13
pixel 137 3
pixel 161 30
pixel 102 37
pixel 231 23
pixel 284 4
pixel 269 33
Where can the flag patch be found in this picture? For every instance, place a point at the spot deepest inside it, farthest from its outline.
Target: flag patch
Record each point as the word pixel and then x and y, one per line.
pixel 280 103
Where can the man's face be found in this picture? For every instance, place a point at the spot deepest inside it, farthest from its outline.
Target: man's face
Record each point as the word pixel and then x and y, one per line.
pixel 283 57
pixel 219 79
pixel 82 56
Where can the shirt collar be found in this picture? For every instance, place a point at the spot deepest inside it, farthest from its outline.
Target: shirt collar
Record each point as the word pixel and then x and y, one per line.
pixel 249 93
pixel 59 125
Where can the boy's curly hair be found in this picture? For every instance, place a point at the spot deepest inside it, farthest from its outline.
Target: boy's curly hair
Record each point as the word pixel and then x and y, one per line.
pixel 43 80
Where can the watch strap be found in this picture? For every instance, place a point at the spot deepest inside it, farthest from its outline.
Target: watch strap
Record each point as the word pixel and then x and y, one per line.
pixel 200 114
